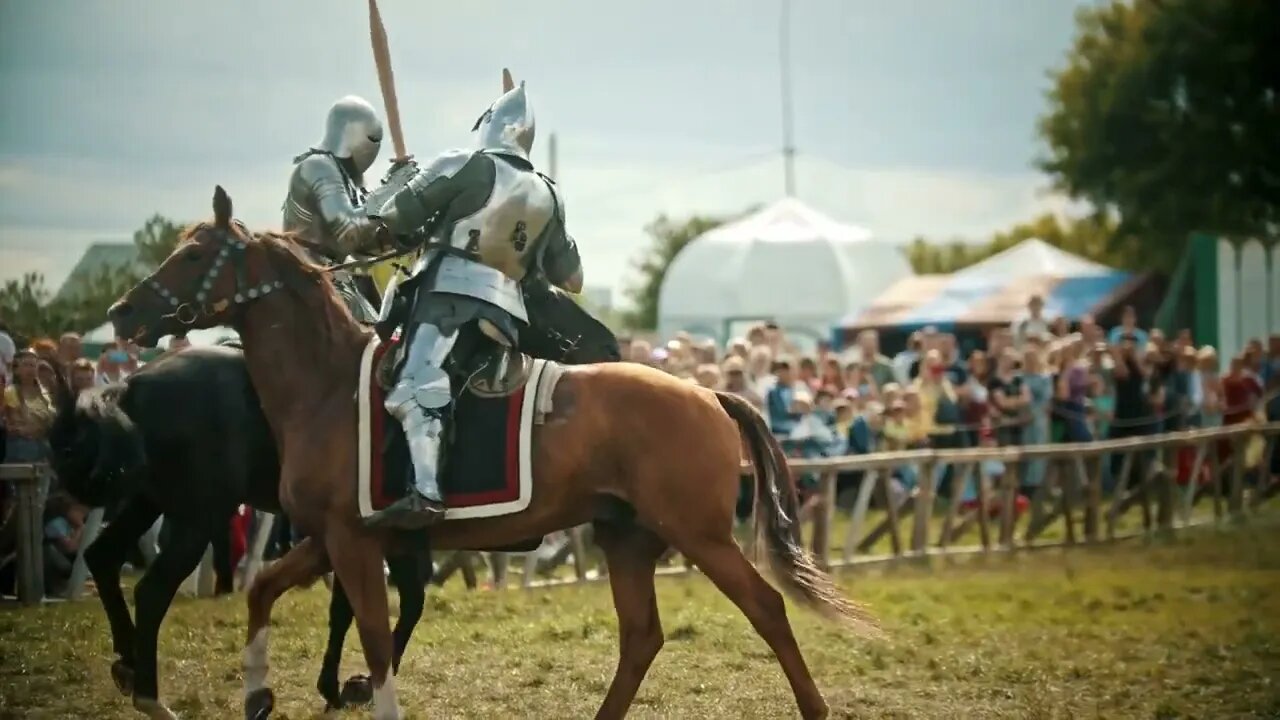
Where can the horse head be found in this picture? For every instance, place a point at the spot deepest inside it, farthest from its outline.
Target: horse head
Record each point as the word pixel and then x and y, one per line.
pixel 561 329
pixel 214 271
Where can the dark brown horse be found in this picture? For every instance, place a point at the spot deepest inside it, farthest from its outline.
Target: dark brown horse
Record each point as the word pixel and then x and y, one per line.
pixel 653 461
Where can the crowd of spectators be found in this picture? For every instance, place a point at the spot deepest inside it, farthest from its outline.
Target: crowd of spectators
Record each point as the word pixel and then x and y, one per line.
pixel 27 385
pixel 1038 380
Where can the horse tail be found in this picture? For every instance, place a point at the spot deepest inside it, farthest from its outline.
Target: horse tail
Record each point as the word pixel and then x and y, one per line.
pixel 777 523
pixel 97 451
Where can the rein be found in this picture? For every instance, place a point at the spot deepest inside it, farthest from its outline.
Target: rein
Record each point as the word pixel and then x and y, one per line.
pixel 442 247
pixel 187 312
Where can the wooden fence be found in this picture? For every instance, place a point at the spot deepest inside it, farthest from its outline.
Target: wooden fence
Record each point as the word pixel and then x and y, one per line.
pixel 916 522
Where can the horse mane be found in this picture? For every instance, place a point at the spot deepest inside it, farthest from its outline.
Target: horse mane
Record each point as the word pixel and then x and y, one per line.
pixel 321 306
pixel 321 303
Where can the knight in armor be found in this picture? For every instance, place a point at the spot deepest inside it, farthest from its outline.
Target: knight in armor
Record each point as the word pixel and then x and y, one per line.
pixel 325 205
pixel 490 221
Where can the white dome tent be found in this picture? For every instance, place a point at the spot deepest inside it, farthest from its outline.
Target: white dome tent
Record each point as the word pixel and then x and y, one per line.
pixel 787 263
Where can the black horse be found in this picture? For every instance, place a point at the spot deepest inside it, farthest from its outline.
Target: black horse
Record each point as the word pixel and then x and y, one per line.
pixel 185 437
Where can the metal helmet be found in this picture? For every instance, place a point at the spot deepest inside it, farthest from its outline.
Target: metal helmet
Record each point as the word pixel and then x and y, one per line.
pixel 507 126
pixel 353 131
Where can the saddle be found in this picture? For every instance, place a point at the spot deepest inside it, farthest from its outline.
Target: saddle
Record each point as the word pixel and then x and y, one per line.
pixel 502 373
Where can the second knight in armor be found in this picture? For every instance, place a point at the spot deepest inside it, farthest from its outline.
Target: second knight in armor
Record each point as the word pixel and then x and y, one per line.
pixel 325 205
pixel 494 220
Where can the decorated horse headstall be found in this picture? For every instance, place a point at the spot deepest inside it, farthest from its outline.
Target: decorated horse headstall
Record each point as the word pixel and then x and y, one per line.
pixel 233 248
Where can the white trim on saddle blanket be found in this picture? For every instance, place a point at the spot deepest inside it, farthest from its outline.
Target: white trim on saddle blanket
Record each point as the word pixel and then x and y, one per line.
pixel 535 404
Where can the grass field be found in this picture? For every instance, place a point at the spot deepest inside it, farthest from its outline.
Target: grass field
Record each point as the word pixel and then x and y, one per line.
pixel 1183 628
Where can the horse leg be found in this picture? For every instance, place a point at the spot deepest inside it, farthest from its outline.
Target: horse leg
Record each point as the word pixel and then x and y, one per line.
pixel 340 617
pixel 357 564
pixel 406 571
pixel 223 573
pixel 632 554
pixel 722 561
pixel 104 559
pixel 152 597
pixel 302 564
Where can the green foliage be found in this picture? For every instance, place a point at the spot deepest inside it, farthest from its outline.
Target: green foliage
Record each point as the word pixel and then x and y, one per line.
pixel 156 240
pixel 668 238
pixel 29 308
pixel 31 312
pixel 1092 238
pixel 1165 114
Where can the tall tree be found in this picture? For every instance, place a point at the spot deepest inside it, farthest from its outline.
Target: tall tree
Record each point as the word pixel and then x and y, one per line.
pixel 667 238
pixel 1165 114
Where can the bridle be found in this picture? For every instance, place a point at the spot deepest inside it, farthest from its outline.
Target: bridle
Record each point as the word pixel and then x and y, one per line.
pixel 187 312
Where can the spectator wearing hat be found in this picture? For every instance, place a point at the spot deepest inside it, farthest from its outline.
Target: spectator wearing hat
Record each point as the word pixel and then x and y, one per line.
pixel 736 382
pixel 708 376
pixel 780 400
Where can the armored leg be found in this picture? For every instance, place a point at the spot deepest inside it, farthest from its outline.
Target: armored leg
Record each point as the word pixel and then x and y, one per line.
pixel 418 402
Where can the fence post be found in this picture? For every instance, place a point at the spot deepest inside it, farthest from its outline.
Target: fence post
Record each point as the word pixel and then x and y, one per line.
pixel 1193 482
pixel 859 518
pixel 29 507
pixel 923 508
pixel 1165 480
pixel 1235 503
pixel 822 519
pixel 1092 484
pixel 1266 486
pixel 959 481
pixel 1008 496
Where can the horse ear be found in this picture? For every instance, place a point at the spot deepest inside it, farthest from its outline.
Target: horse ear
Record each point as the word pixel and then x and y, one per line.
pixel 221 208
pixel 507 83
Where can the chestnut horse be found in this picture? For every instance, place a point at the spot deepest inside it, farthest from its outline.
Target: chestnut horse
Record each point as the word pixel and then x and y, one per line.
pixel 652 460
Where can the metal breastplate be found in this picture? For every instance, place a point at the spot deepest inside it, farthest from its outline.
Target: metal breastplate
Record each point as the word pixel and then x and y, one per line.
pixel 302 212
pixel 503 233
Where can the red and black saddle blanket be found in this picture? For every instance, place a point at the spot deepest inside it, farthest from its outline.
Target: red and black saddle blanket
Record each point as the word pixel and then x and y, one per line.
pixel 488 466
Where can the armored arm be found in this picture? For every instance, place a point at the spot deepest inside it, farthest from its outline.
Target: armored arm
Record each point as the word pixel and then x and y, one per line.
pixel 560 260
pixel 351 229
pixel 424 197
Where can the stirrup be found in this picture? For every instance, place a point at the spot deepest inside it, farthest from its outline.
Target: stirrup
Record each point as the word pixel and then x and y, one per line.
pixel 411 512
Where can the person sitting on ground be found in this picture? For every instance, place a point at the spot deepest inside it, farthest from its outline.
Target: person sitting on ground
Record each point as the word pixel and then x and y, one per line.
pixel 63 523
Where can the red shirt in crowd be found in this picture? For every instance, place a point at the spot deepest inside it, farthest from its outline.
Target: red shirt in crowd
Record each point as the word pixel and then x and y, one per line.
pixel 1241 393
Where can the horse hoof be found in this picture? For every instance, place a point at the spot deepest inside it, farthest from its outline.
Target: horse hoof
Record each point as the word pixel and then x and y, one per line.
pixel 259 704
pixel 331 694
pixel 122 676
pixel 358 690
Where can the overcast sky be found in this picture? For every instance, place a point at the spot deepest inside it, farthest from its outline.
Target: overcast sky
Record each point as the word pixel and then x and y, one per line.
pixel 912 117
